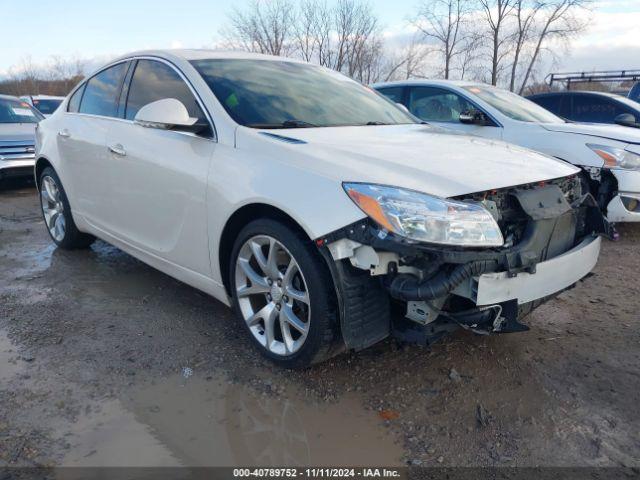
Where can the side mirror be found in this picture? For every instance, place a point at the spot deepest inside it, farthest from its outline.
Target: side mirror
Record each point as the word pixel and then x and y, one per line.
pixel 168 114
pixel 473 117
pixel 626 119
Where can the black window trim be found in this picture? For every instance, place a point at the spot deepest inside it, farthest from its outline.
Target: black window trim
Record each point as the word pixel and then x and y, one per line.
pixel 128 77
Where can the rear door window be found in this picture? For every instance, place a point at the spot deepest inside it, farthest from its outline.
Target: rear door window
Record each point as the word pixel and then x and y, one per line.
pixel 102 91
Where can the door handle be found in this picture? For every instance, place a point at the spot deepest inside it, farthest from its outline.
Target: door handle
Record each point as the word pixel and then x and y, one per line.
pixel 118 150
pixel 64 133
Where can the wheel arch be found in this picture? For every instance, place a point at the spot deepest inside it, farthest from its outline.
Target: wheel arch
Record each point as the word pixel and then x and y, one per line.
pixel 237 221
pixel 41 163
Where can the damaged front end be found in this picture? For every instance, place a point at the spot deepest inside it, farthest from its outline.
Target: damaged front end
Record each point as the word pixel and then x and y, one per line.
pixel 548 239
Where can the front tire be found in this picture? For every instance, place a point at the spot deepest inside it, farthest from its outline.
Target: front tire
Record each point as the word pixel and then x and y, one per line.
pixel 56 212
pixel 283 294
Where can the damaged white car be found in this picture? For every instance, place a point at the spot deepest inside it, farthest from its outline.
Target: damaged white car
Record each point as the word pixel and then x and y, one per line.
pixel 308 202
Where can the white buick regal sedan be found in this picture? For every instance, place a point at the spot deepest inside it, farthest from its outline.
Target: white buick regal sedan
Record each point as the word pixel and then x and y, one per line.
pixel 327 216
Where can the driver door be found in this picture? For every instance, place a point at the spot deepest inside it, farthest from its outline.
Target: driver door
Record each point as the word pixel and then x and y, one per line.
pixel 442 107
pixel 159 177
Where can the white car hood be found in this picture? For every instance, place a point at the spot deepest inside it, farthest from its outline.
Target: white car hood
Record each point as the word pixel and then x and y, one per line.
pixel 416 157
pixel 611 132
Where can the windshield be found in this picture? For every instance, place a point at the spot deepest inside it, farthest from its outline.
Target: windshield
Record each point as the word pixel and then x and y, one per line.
pixel 513 106
pixel 627 101
pixel 15 111
pixel 281 94
pixel 47 106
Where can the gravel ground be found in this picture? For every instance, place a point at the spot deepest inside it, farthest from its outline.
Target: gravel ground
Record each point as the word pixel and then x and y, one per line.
pixel 105 361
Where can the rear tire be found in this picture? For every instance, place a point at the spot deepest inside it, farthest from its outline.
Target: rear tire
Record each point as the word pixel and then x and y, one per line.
pixel 283 294
pixel 56 213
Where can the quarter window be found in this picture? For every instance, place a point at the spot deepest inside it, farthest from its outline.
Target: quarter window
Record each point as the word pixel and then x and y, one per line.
pixel 74 101
pixel 154 81
pixel 437 105
pixel 392 93
pixel 102 91
pixel 550 102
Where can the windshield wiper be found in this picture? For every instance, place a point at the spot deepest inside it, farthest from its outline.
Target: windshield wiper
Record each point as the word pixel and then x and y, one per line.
pixel 285 124
pixel 375 122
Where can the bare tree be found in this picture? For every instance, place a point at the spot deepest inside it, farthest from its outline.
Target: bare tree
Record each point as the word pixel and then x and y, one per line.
pixel 57 77
pixel 264 27
pixel 346 37
pixel 358 42
pixel 307 29
pixel 471 52
pixel 443 22
pixel 497 13
pixel 64 73
pixel 558 22
pixel 407 62
pixel 26 74
pixel 525 13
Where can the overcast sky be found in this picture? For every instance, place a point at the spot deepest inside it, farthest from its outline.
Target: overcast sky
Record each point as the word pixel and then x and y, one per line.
pixel 102 29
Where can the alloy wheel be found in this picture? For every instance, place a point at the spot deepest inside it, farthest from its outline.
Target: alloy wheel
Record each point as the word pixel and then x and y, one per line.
pixel 53 208
pixel 272 295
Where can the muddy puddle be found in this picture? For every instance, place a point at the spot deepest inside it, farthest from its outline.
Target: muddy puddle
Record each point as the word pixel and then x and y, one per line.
pixel 198 422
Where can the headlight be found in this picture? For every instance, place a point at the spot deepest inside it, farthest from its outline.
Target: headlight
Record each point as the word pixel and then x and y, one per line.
pixel 617 157
pixel 425 218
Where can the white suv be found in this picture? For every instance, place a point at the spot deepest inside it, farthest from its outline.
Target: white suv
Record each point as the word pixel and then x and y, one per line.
pixel 308 201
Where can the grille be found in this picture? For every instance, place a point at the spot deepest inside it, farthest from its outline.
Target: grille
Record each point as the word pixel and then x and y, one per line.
pixel 17 150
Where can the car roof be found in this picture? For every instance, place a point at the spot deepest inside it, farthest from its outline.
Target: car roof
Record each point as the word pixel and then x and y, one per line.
pixel 569 92
pixel 9 97
pixel 417 82
pixel 206 54
pixel 44 97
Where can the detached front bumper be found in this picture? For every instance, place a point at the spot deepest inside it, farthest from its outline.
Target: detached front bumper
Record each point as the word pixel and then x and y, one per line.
pixel 550 277
pixel 625 205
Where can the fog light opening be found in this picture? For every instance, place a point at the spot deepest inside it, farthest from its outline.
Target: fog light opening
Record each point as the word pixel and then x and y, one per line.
pixel 631 204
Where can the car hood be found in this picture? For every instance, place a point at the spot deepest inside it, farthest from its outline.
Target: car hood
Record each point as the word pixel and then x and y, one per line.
pixel 17 132
pixel 610 132
pixel 417 157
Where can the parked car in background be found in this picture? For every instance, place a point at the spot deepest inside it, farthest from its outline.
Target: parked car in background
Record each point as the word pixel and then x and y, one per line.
pixel 609 155
pixel 46 104
pixel 307 201
pixel 18 122
pixel 591 107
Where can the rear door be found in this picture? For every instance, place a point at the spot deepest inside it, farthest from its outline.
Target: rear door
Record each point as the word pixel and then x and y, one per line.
pixel 158 177
pixel 82 143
